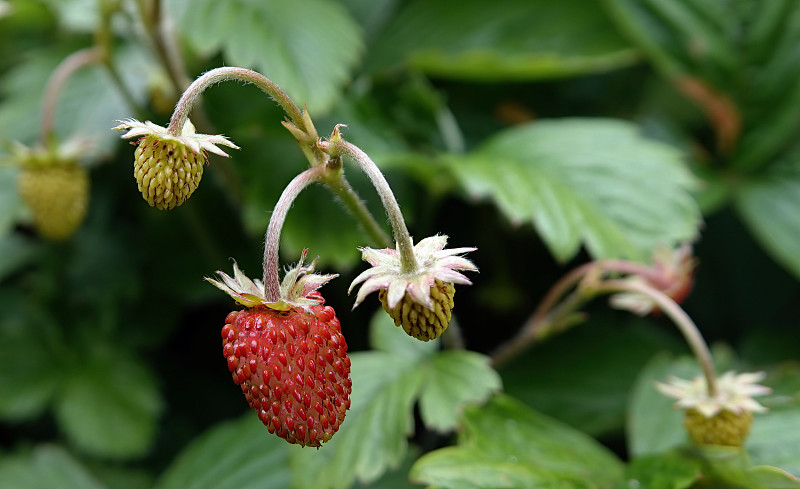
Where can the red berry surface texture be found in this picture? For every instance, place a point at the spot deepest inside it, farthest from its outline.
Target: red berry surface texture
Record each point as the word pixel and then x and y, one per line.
pixel 292 367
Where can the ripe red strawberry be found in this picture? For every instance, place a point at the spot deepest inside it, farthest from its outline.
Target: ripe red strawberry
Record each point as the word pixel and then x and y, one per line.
pixel 289 357
pixel 292 367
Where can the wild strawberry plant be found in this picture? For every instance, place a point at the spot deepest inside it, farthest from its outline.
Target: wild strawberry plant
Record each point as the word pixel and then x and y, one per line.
pixel 565 151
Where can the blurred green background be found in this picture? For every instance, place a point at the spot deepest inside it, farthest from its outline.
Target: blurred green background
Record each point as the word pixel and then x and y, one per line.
pixel 544 133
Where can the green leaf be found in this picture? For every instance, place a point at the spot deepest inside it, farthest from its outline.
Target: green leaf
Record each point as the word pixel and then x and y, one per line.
pixel 722 463
pixel 457 379
pixel 591 181
pixel 10 202
pixel 386 383
pixel 671 470
pixel 677 36
pixel 47 467
pixel 584 377
pixel 386 337
pixel 236 454
pixel 57 468
pixel 774 439
pixel 396 478
pixel 307 48
pixel 121 476
pixel 17 472
pixel 371 14
pixel 77 15
pixel 108 406
pixel 29 375
pixel 507 445
pixel 769 208
pixel 711 44
pixel 507 40
pixel 373 435
pixel 654 425
pixel 15 253
pixel 766 477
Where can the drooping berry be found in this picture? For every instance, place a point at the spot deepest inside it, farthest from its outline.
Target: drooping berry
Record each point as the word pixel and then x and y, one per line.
pixel 419 321
pixel 168 167
pixel 53 185
pixel 420 300
pixel 301 404
pixel 166 172
pixel 289 357
pixel 722 417
pixel 57 196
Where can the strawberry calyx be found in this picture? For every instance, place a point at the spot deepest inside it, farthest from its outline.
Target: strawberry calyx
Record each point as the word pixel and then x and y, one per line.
pixel 296 290
pixel 434 262
pixel 44 156
pixel 188 138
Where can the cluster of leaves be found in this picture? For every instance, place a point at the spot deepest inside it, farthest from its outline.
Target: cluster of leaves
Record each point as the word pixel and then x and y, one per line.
pixel 545 133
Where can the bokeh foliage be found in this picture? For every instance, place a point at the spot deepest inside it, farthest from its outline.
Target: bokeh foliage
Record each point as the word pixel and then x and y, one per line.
pixel 544 133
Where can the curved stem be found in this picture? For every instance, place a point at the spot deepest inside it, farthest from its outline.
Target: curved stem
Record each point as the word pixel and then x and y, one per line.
pixel 217 75
pixel 58 79
pixel 540 319
pixel 161 32
pixel 338 146
pixel 272 238
pixel 678 316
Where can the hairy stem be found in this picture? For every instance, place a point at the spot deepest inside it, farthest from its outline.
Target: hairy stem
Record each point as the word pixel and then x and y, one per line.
pixel 159 30
pixel 58 79
pixel 217 75
pixel 163 34
pixel 300 126
pixel 338 146
pixel 679 317
pixel 547 313
pixel 272 239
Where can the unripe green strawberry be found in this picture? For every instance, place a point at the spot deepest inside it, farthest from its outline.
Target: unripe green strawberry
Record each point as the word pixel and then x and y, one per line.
pixel 419 321
pixel 57 195
pixel 53 185
pixel 167 173
pixel 724 428
pixel 168 167
pixel 721 417
pixel 292 367
pixel 419 300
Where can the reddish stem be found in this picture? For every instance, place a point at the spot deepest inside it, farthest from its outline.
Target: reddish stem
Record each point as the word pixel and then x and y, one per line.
pixel 272 238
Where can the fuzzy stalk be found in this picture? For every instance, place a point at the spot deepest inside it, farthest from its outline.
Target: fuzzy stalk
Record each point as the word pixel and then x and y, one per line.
pixel 218 75
pixel 685 325
pixel 161 32
pixel 337 147
pixel 301 127
pixel 272 238
pixel 547 314
pixel 55 84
